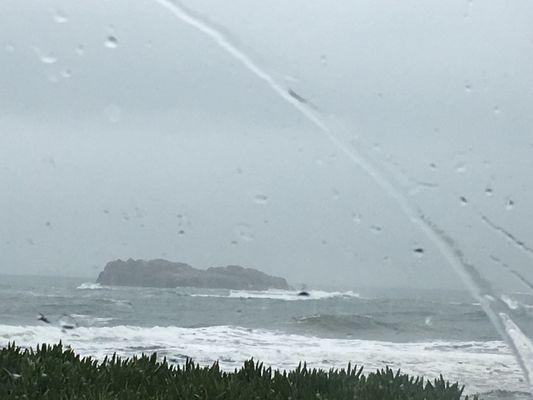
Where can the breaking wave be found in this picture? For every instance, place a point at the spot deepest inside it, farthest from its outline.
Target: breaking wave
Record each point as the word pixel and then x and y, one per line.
pixel 90 286
pixel 458 361
pixel 285 295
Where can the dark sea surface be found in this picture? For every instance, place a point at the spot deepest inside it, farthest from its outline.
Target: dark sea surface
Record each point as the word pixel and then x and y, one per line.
pixel 422 332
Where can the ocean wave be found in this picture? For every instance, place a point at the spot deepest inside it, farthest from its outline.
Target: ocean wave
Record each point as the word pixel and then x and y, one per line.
pixel 483 366
pixel 350 322
pixel 285 295
pixel 90 286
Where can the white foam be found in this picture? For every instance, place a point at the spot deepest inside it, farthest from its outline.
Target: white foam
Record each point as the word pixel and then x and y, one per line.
pixel 286 295
pixel 90 286
pixel 483 366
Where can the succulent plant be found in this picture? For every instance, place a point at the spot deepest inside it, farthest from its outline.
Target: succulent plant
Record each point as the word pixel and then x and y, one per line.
pixel 56 372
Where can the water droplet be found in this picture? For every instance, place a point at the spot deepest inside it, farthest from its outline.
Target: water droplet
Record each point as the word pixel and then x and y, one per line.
pixel 356 217
pixel 260 199
pixel 433 166
pixel 489 192
pixel 336 194
pixel 111 42
pixel 512 304
pixel 60 17
pixel 30 241
pixel 105 211
pixel 464 201
pixel 244 232
pixel 468 87
pixel 460 168
pixel 496 110
pixel 234 243
pixel 10 48
pixel 48 224
pixel 429 321
pixel 376 229
pixel 49 58
pixel 80 49
pixel 324 59
pixel 324 242
pixel 181 232
pixel 419 251
pixel 509 205
pixel 66 73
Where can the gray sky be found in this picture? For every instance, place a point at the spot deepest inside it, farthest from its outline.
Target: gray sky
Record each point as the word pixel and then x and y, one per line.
pixel 165 146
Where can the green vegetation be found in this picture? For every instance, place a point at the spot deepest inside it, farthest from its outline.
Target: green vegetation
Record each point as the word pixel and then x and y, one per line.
pixel 55 372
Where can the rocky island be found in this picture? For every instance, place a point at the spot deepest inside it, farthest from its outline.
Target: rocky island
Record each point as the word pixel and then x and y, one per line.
pixel 166 274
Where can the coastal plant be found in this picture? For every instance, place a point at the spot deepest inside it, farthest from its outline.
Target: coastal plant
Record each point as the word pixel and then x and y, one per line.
pixel 57 372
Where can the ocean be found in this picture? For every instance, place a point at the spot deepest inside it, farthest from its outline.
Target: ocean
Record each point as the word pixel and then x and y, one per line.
pixel 422 332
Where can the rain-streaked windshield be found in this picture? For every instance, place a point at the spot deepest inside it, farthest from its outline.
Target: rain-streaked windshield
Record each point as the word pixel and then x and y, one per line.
pixel 292 182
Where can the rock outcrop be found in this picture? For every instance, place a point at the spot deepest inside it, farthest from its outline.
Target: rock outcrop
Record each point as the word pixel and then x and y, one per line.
pixel 165 274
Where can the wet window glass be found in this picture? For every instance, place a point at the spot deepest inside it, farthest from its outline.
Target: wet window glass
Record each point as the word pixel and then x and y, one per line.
pixel 286 181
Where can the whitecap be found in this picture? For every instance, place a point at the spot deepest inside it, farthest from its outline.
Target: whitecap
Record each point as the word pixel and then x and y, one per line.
pixel 466 362
pixel 285 295
pixel 90 286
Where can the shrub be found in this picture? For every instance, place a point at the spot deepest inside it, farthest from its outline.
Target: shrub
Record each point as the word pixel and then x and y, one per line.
pixel 55 372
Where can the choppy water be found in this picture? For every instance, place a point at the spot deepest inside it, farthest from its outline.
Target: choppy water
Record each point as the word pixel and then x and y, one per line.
pixel 427 333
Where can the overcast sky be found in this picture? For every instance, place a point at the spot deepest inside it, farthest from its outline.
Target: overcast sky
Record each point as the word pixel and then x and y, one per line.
pixel 126 133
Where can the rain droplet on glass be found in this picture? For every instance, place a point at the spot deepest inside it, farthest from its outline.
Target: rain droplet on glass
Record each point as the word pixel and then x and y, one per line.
pixel 244 232
pixel 489 192
pixel 80 49
pixel 66 73
pixel 464 201
pixel 460 168
pixel 324 59
pixel 376 229
pixel 60 17
pixel 468 87
pixel 49 58
pixel 356 217
pixel 509 205
pixel 419 251
pixel 260 199
pixel 10 48
pixel 111 42
pixel 181 232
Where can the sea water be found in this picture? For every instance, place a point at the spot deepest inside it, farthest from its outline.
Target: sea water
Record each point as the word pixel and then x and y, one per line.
pixel 421 332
